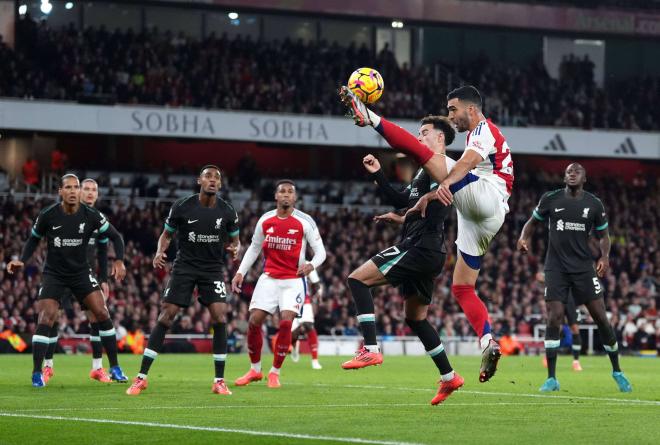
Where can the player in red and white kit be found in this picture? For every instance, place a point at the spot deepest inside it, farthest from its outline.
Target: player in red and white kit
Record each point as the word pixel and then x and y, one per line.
pixel 304 325
pixel 282 234
pixel 479 185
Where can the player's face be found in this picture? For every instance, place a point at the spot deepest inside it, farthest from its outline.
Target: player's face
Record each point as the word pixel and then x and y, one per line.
pixel 210 180
pixel 70 191
pixel 430 137
pixel 575 175
pixel 458 114
pixel 285 195
pixel 89 193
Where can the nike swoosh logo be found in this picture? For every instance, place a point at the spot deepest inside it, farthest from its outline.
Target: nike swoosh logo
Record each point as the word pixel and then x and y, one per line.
pixel 193 221
pixel 559 210
pixel 56 227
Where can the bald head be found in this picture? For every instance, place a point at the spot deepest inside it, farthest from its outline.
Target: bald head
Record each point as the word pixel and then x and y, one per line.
pixel 575 175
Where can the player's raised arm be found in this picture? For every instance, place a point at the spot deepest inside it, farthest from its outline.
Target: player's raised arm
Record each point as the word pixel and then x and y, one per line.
pixel 251 255
pixel 397 198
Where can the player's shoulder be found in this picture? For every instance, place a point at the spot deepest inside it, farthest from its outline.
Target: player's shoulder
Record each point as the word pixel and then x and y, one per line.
pixel 49 210
pixel 268 215
pixel 225 205
pixel 90 210
pixel 593 198
pixel 552 194
pixel 184 202
pixel 304 217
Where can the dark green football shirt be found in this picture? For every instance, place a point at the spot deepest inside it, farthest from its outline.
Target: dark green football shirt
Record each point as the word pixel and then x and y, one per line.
pixel 570 223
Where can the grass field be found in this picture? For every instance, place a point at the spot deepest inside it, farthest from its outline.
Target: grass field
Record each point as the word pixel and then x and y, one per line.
pixel 384 405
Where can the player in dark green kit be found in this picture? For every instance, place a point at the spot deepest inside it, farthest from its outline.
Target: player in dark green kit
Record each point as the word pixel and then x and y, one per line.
pixel 413 263
pixel 68 226
pixel 203 224
pixel 572 214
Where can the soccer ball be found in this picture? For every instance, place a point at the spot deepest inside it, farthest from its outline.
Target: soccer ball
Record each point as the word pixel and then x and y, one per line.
pixel 367 84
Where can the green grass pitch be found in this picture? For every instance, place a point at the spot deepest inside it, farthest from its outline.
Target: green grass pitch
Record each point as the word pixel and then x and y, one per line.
pixel 382 405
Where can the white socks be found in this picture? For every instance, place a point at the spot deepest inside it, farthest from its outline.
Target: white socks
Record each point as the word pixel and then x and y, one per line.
pixel 485 340
pixel 256 366
pixel 97 363
pixel 375 119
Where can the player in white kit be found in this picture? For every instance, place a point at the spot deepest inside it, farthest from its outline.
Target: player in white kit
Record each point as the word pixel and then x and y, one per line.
pixel 479 185
pixel 282 234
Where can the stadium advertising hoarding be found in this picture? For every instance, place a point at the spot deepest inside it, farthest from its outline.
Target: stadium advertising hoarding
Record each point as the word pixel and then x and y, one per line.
pixel 297 129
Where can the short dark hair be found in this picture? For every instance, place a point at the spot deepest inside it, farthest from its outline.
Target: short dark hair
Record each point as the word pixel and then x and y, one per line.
pixel 208 166
pixel 466 93
pixel 67 176
pixel 443 124
pixel 284 181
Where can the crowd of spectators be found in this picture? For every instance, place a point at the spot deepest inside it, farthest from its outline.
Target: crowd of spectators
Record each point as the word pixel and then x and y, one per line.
pixel 508 280
pixel 218 72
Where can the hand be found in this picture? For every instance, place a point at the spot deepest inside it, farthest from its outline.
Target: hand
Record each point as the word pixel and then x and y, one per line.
pixel 105 289
pixel 390 218
pixel 14 265
pixel 371 163
pixel 444 194
pixel 305 269
pixel 234 249
pixel 118 270
pixel 602 267
pixel 237 283
pixel 540 277
pixel 160 260
pixel 522 245
pixel 420 206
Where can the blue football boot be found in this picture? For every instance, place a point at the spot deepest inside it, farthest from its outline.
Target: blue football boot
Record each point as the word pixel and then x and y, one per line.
pixel 552 384
pixel 117 375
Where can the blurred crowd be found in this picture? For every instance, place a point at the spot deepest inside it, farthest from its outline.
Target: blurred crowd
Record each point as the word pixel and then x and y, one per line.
pixel 508 281
pixel 161 68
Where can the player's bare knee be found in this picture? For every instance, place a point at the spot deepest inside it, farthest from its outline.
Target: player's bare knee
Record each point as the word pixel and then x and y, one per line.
pixel 218 318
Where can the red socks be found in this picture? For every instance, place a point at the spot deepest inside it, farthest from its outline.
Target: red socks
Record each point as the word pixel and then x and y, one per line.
pixel 474 309
pixel 399 139
pixel 283 343
pixel 255 342
pixel 313 341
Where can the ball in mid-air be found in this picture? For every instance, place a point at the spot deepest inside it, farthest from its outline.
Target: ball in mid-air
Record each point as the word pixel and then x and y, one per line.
pixel 367 84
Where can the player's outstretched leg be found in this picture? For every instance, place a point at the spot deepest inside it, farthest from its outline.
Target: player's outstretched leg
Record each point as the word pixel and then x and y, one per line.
pixel 597 310
pixel 255 341
pixel 450 381
pixel 48 369
pixel 370 354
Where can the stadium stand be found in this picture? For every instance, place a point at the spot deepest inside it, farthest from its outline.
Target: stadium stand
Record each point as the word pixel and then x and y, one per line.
pixel 163 68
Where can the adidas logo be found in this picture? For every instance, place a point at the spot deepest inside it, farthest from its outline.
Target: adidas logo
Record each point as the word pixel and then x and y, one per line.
pixel 271 230
pixel 555 144
pixel 627 147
